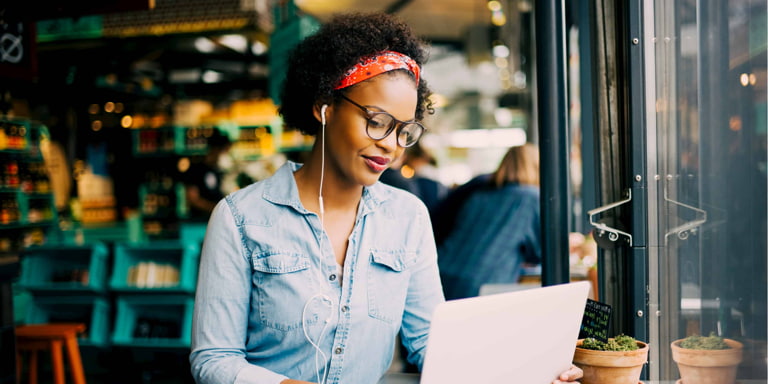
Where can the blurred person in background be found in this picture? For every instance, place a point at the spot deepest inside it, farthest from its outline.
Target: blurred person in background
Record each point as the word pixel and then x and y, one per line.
pixel 203 179
pixel 497 227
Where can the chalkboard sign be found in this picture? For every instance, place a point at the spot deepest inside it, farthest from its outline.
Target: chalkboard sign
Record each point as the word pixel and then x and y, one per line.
pixel 596 321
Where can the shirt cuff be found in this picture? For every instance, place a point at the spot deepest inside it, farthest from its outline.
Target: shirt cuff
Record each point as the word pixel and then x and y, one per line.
pixel 252 374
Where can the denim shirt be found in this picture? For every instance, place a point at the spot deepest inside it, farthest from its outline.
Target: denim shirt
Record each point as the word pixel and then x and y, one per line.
pixel 270 289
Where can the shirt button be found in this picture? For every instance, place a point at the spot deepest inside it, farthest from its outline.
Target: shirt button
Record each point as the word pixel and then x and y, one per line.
pixel 339 350
pixel 332 277
pixel 345 308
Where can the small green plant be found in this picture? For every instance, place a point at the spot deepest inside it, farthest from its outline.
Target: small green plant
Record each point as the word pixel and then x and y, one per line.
pixel 711 342
pixel 618 343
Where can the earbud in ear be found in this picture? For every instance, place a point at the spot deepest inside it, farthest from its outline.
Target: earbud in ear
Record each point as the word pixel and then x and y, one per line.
pixel 322 112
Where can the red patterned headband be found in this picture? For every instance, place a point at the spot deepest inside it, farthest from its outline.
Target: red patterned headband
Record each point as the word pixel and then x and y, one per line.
pixel 378 64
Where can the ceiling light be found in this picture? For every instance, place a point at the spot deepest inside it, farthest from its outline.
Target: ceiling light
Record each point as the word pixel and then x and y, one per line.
pixel 204 45
pixel 126 121
pixel 494 6
pixel 500 50
pixel 211 77
pixel 258 48
pixel 498 19
pixel 237 42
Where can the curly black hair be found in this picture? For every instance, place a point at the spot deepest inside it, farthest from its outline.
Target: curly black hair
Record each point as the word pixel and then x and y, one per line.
pixel 319 62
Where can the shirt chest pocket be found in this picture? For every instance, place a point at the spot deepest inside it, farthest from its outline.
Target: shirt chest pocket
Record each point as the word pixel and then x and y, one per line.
pixel 388 279
pixel 282 284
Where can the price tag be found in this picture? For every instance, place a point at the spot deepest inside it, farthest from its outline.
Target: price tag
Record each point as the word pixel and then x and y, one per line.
pixel 596 321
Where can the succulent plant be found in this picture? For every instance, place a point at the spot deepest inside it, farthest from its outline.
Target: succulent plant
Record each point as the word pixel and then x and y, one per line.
pixel 711 342
pixel 618 343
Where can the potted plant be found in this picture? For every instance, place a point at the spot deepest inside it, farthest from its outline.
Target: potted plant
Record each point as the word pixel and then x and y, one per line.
pixel 707 359
pixel 619 361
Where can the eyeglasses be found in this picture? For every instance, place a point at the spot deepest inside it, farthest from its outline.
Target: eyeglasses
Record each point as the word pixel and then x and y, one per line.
pixel 380 124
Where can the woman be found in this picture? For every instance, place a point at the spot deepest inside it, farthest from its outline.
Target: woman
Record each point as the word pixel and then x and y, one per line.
pixel 496 228
pixel 308 276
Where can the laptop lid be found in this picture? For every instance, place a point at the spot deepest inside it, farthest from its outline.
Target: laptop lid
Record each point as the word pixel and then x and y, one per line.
pixel 525 336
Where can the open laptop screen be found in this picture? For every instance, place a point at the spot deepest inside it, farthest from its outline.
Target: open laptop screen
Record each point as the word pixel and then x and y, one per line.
pixel 525 336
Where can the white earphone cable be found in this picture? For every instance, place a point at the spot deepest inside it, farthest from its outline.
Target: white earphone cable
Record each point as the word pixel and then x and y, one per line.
pixel 325 298
pixel 322 165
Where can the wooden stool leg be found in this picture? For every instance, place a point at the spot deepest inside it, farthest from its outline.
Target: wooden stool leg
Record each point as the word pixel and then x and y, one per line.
pixel 75 362
pixel 33 367
pixel 57 360
pixel 19 366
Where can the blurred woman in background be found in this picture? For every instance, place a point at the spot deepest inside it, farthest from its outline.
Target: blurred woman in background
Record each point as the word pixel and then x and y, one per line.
pixel 496 228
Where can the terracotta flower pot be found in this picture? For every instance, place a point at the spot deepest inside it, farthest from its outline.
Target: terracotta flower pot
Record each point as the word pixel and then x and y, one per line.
pixel 707 366
pixel 609 367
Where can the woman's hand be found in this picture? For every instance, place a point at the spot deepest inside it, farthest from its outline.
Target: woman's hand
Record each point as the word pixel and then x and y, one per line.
pixel 570 376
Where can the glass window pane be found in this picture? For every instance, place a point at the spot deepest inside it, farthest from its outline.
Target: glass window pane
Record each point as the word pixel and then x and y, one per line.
pixel 707 216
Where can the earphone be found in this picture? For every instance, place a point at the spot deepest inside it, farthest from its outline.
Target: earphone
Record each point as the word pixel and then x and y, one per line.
pixel 325 299
pixel 322 163
pixel 322 114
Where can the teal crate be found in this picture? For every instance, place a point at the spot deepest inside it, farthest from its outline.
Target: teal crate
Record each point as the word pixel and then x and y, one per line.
pixel 91 311
pixel 161 266
pixel 153 321
pixel 65 268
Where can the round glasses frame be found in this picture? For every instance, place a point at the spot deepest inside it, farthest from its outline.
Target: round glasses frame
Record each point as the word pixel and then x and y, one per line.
pixel 408 132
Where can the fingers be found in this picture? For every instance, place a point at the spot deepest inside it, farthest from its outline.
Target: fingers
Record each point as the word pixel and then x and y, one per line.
pixel 570 375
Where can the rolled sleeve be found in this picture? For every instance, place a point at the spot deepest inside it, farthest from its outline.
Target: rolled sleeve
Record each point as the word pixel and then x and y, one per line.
pixel 222 300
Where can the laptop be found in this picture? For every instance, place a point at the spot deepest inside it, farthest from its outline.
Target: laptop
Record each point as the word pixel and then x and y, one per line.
pixel 521 337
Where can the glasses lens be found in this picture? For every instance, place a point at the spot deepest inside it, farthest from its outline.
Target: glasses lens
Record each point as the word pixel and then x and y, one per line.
pixel 380 124
pixel 409 134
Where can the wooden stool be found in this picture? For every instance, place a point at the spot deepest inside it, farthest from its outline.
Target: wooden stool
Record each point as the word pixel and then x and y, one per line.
pixel 37 337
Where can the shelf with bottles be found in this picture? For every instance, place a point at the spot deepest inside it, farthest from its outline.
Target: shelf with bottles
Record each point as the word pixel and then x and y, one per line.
pixel 257 141
pixel 172 140
pixel 25 192
pixel 27 207
pixel 154 141
pixel 155 321
pixel 14 134
pixel 162 198
pixel 14 239
pixel 251 142
pixel 65 269
pixel 155 266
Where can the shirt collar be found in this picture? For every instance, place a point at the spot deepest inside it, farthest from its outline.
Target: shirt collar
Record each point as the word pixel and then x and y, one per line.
pixel 283 181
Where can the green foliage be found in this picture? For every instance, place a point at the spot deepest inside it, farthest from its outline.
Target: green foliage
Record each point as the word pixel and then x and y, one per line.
pixel 618 343
pixel 711 342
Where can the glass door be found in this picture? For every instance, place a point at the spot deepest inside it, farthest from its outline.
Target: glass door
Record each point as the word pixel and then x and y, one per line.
pixel 705 153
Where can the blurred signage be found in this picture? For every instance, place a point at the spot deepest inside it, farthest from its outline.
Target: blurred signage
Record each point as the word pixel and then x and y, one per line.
pixel 86 27
pixel 17 49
